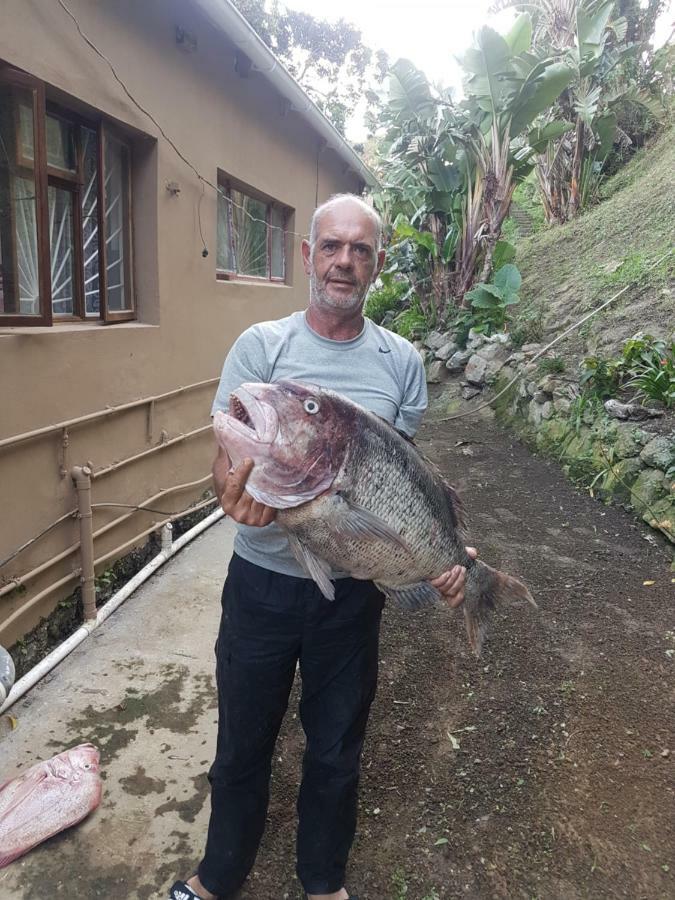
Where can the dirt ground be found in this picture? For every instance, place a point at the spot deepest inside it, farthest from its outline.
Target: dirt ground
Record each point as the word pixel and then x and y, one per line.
pixel 546 769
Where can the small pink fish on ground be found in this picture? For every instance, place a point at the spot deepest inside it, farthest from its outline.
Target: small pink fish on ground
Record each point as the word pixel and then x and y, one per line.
pixel 48 798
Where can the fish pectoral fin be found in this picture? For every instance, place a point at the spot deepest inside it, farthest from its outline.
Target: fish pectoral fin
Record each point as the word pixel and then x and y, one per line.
pixel 411 596
pixel 317 569
pixel 350 520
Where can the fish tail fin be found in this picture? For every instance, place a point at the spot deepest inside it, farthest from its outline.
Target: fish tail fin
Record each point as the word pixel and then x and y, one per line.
pixel 484 588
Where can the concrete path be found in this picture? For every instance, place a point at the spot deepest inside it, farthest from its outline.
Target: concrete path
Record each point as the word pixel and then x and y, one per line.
pixel 142 689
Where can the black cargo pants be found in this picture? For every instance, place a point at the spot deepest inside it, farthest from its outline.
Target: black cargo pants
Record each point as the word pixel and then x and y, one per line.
pixel 269 623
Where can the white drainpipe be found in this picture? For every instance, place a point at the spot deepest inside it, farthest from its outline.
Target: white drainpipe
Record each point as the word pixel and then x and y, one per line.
pixel 169 549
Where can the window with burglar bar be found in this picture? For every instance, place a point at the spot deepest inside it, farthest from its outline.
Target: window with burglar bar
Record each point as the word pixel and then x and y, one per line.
pixel 251 236
pixel 65 237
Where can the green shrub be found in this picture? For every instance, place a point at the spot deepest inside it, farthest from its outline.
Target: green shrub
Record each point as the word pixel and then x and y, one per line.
pixel 510 231
pixel 651 367
pixel 461 325
pixel 585 404
pixel 645 363
pixel 600 377
pixel 528 327
pixel 551 365
pixel 387 297
pixel 411 323
pixel 490 302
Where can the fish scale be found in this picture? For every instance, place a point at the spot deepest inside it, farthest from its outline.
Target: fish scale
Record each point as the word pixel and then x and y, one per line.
pixel 386 475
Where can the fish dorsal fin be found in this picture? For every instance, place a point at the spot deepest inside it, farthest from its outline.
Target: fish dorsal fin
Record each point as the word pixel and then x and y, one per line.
pixel 412 596
pixel 350 520
pixel 317 569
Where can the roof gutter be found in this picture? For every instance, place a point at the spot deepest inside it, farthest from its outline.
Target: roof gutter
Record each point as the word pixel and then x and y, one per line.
pixel 226 18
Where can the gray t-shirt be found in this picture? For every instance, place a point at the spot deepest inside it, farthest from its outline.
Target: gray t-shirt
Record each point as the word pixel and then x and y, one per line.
pixel 378 369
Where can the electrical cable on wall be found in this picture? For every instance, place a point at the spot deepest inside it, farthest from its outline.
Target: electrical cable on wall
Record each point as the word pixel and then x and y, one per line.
pixel 205 251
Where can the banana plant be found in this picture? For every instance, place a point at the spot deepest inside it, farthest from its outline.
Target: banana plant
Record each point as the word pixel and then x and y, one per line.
pixel 584 36
pixel 507 88
pixel 452 168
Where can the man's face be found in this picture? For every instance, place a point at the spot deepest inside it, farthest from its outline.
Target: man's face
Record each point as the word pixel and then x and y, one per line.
pixel 345 259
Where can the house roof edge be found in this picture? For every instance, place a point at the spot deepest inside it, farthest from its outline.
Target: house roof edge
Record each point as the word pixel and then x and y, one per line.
pixel 227 18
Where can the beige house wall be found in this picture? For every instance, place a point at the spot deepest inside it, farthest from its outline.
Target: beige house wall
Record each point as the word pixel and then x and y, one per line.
pixel 187 319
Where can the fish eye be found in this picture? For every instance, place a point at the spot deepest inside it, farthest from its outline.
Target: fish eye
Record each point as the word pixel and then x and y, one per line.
pixel 87 766
pixel 311 406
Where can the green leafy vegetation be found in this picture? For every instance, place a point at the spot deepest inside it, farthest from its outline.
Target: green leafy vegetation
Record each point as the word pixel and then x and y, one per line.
pixel 651 366
pixel 490 302
pixel 384 299
pixel 550 109
pixel 528 326
pixel 645 364
pixel 411 323
pixel 399 884
pixel 551 365
pixel 450 170
pixel 601 377
pixel 636 268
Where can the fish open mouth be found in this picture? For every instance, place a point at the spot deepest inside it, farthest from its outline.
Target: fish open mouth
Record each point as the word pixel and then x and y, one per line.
pixel 245 414
pixel 250 417
pixel 239 412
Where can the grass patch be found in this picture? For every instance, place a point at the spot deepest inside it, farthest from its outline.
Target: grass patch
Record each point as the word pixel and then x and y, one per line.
pixel 571 269
pixel 510 232
pixel 528 326
pixel 625 177
pixel 552 365
pixel 637 269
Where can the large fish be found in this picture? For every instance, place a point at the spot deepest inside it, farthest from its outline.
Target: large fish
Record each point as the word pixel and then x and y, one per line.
pixel 46 799
pixel 356 497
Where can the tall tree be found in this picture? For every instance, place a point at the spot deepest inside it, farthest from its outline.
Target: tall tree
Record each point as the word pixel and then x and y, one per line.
pixel 329 59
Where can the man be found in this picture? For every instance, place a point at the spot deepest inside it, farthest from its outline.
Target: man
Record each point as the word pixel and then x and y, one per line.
pixel 274 616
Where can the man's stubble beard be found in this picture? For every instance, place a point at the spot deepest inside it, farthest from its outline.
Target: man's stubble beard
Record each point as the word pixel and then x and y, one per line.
pixel 319 295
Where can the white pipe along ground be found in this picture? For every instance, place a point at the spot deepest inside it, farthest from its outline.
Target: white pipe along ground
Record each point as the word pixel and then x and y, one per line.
pixel 169 549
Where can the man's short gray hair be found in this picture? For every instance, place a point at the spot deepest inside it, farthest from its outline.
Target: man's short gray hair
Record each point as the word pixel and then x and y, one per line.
pixel 335 200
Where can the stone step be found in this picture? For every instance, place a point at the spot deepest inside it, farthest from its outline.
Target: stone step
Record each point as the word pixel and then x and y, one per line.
pixel 522 219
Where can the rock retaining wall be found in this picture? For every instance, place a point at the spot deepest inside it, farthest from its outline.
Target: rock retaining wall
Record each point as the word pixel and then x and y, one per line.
pixel 621 452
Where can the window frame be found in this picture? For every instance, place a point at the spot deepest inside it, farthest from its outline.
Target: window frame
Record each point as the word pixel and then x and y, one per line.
pixel 18 80
pixel 46 176
pixel 108 316
pixel 227 185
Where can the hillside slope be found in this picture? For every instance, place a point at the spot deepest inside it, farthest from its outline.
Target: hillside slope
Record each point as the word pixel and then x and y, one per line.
pixel 569 270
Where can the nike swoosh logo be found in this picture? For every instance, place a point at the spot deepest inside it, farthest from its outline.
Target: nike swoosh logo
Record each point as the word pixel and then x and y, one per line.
pixel 382 350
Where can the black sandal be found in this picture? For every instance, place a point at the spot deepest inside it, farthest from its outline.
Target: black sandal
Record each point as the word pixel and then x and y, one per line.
pixel 182 891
